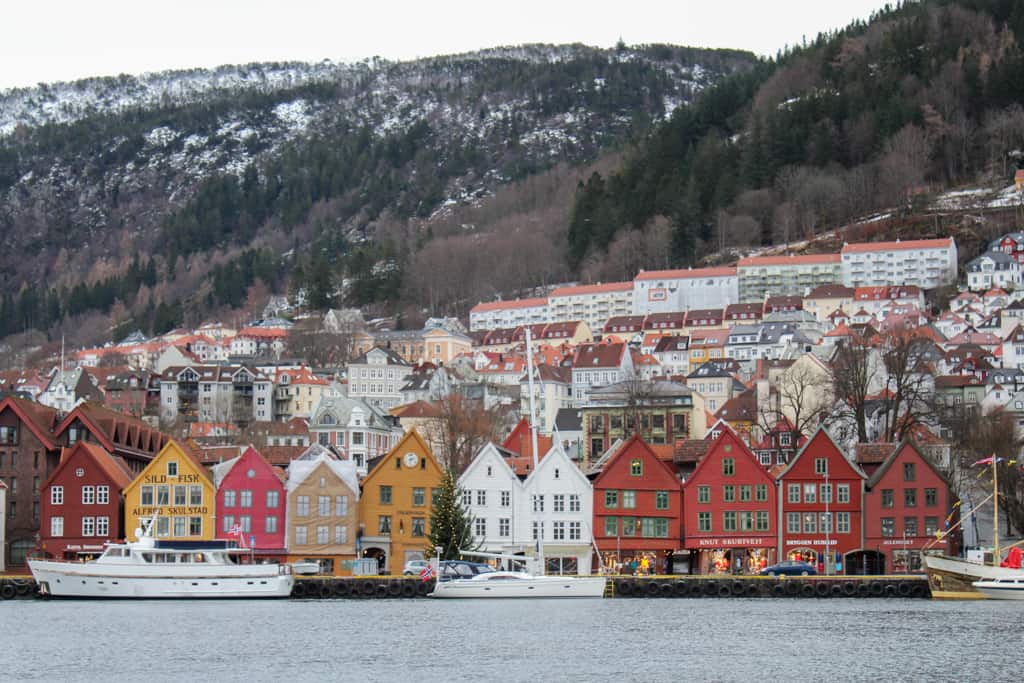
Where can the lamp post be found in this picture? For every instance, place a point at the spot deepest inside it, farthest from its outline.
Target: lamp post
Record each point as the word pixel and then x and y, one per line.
pixel 828 523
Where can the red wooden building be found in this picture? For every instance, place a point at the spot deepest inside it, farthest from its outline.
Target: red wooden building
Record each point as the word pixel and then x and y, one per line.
pixel 251 500
pixel 821 503
pixel 81 503
pixel 730 511
pixel 638 509
pixel 907 502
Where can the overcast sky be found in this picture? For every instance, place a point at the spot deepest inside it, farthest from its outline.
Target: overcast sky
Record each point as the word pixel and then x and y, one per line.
pixel 59 40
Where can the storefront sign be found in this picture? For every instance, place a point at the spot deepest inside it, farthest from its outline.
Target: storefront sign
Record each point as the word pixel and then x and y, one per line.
pixel 816 541
pixel 731 542
pixel 898 541
pixel 86 546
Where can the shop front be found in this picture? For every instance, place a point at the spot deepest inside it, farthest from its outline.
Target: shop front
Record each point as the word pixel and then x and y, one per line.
pixel 730 555
pixel 641 561
pixel 824 555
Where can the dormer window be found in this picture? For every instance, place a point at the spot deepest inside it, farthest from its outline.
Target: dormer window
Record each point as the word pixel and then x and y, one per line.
pixel 172 468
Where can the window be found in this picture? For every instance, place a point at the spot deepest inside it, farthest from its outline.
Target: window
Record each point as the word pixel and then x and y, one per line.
pixel 575 531
pixel 888 527
pixel 810 493
pixel 761 493
pixel 227 523
pixel 931 497
pixel 825 523
pixel 611 499
pixel 419 496
pixel 163 527
pixel 558 531
pixel 538 530
pixel 418 526
pixel 842 522
pixel 229 498
pixel 322 535
pixel 729 493
pixel 810 522
pixel 746 521
pixel 300 535
pixel 793 493
pixel 910 526
pixel 538 503
pixel 467 498
pixel 385 495
pixel 340 534
pixel 611 526
pixel 302 506
pixel 57 496
pixel 931 526
pixel 910 498
pixel 908 471
pixel 102 495
pixel 506 499
pixel 88 526
pixel 728 467
pixel 842 493
pixel 340 506
pixel 246 499
pixel 745 493
pixel 628 499
pixel 729 520
pixel 195 526
pixel 792 522
pixel 88 495
pixel 270 524
pixel 272 498
pixel 180 495
pixel 661 500
pixel 703 494
pixel 179 526
pixel 245 523
pixel 703 521
pixel 503 527
pixel 195 496
pixel 820 465
pixel 384 525
pixel 762 520
pixel 887 498
pixel 636 468
pixel 481 497
pixel 826 493
pixel 323 506
pixel 574 502
pixel 172 469
pixel 56 527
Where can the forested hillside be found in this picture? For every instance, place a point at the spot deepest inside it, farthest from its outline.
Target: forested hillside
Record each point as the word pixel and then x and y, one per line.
pixel 920 98
pixel 154 201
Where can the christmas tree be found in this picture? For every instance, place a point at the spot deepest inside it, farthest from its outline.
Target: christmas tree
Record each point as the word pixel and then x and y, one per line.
pixel 451 528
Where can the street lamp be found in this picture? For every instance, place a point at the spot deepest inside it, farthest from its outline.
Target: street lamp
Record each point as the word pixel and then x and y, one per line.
pixel 828 523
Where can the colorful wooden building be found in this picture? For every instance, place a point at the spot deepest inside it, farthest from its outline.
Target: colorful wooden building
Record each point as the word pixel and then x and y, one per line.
pixel 323 496
pixel 81 503
pixel 394 516
pixel 175 488
pixel 730 507
pixel 250 504
pixel 908 504
pixel 821 506
pixel 638 510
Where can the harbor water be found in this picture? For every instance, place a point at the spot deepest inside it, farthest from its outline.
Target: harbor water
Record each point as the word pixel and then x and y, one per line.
pixel 519 640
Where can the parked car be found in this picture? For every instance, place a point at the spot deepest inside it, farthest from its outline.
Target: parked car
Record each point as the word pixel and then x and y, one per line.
pixel 461 569
pixel 307 567
pixel 789 568
pixel 414 567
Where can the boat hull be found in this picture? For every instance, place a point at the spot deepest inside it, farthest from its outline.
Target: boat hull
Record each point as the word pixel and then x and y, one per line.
pixel 950 577
pixel 535 587
pixel 72 580
pixel 995 590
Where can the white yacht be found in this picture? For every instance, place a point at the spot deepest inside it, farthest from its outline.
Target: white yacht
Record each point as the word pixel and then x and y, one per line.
pixel 520 585
pixel 153 569
pixel 1005 588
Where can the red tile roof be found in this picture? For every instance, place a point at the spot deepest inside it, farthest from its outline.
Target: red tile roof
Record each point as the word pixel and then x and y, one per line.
pixel 898 245
pixel 593 289
pixel 789 259
pixel 483 307
pixel 686 273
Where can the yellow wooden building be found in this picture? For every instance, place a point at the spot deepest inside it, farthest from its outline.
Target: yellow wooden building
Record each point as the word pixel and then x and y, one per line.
pixel 394 509
pixel 177 488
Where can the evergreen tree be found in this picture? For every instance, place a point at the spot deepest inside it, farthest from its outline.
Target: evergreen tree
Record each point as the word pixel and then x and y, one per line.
pixel 451 528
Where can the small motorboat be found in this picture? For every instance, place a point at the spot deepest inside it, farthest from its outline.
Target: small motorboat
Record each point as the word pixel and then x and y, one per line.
pixel 1004 588
pixel 520 585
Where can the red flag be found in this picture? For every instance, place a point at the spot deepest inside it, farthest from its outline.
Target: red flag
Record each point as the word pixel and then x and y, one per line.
pixel 427 573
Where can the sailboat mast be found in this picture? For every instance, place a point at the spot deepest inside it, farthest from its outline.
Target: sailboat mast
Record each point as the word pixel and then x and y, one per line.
pixel 533 439
pixel 995 510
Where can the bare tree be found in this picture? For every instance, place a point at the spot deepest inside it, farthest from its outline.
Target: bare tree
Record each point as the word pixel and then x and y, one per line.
pixel 909 385
pixel 803 395
pixel 853 373
pixel 463 426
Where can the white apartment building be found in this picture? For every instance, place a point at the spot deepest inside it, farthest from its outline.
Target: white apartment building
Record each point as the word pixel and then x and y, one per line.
pixel 788 275
pixel 377 377
pixel 495 315
pixel 216 393
pixel 993 269
pixel 667 291
pixel 593 304
pixel 925 263
pixel 598 365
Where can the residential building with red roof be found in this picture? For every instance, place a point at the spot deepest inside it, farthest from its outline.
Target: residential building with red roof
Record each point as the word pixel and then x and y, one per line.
pixel 127 437
pixel 296 392
pixel 251 504
pixel 790 274
pixel 596 365
pixel 512 313
pixel 519 443
pixel 81 503
pixel 926 263
pixel 673 353
pixel 216 393
pixel 667 291
pixel 593 304
pixel 824 300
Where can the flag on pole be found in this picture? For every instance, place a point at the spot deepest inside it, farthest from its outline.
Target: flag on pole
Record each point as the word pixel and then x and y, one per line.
pixel 427 573
pixel 988 460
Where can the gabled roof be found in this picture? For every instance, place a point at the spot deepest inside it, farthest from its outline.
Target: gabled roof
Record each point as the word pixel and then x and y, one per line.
pixel 115 431
pixel 116 469
pixel 830 292
pixel 887 463
pixel 412 435
pixel 635 442
pixel 490 452
pixel 40 419
pixel 554 456
pixel 672 343
pixel 728 438
pixel 520 442
pixel 821 433
pixel 739 408
pixel 598 355
pixel 300 469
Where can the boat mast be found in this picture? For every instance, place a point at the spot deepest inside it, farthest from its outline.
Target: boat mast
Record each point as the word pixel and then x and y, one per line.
pixel 533 442
pixel 995 510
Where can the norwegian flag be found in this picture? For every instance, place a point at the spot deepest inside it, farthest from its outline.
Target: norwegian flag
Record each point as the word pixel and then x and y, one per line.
pixel 427 573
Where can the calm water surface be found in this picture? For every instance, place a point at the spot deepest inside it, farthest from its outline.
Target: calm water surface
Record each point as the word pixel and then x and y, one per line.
pixel 571 640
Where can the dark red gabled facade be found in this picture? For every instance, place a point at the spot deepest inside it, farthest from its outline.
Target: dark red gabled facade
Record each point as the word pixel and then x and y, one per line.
pixel 730 522
pixel 82 506
pixel 638 510
pixel 818 484
pixel 906 508
pixel 251 496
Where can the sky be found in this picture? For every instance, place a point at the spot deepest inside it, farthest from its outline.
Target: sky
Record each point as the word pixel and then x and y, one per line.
pixel 61 40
